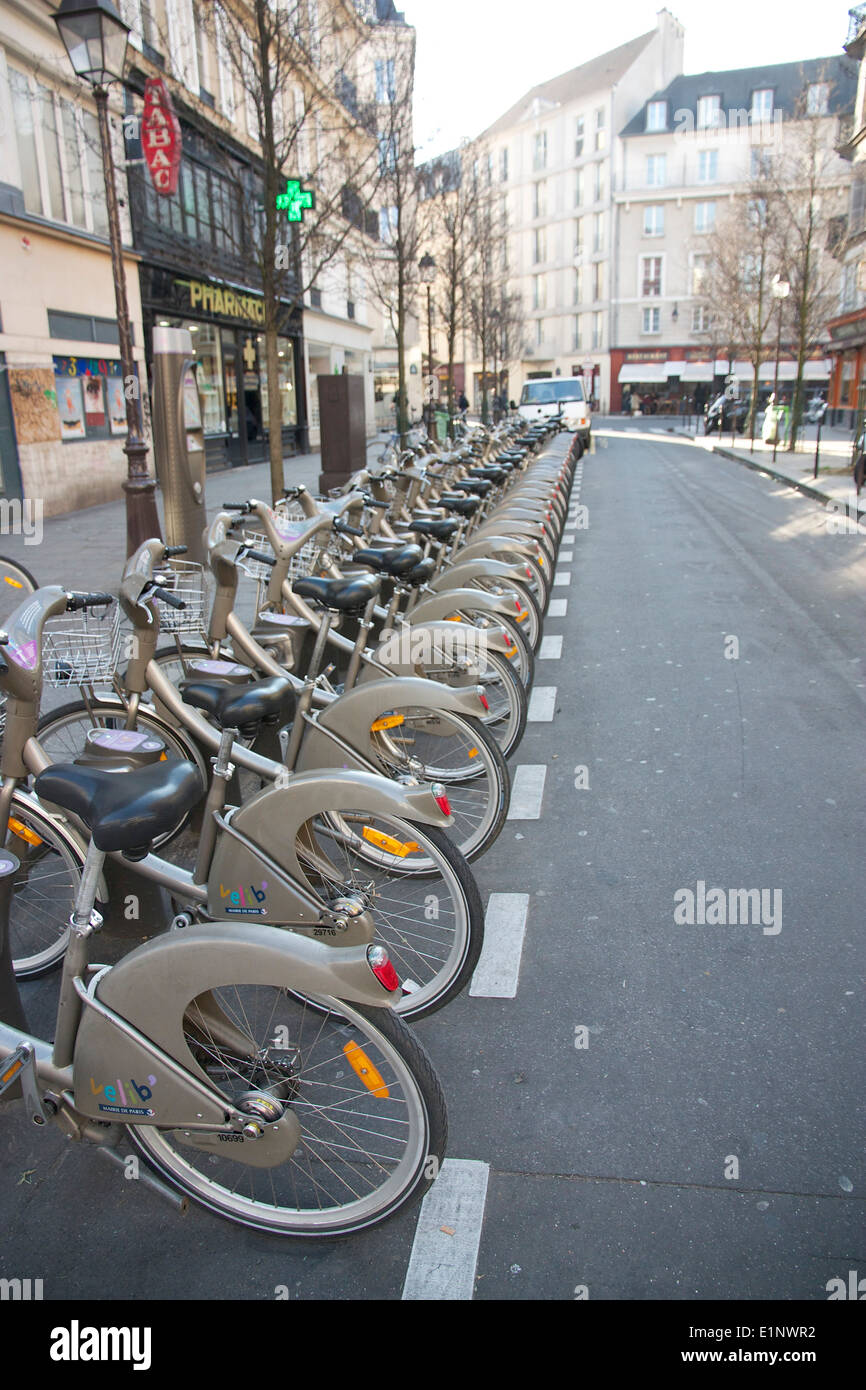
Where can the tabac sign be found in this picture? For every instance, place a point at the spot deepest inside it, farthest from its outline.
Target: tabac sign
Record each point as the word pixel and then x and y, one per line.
pixel 160 137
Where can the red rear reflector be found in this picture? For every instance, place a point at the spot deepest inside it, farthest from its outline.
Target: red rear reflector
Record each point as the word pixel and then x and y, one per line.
pixel 443 803
pixel 484 700
pixel 380 963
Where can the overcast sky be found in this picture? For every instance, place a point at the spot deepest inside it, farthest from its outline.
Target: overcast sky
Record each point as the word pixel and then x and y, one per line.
pixel 477 57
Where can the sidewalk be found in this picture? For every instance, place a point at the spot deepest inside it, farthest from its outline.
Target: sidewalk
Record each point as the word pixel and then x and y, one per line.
pixel 87 549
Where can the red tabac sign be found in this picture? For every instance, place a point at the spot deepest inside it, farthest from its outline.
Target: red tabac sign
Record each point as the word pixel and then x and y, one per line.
pixel 160 137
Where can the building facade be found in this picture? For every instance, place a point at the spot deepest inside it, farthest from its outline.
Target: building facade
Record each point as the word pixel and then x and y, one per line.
pixel 847 327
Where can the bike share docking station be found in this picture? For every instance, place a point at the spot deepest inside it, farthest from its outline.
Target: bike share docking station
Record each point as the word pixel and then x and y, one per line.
pixel 178 440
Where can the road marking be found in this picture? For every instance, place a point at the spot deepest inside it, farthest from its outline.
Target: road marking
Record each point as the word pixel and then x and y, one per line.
pixel 550 649
pixel 498 968
pixel 569 540
pixel 562 578
pixel 557 608
pixel 542 703
pixel 527 792
pixel 566 556
pixel 442 1266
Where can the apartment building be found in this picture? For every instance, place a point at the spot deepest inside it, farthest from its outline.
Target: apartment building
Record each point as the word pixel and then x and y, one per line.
pixel 693 147
pixel 554 156
pixel 189 257
pixel 847 328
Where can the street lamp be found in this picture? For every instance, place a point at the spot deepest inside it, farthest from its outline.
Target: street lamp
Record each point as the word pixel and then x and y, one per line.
pixel 780 289
pixel 427 272
pixel 95 37
pixel 495 319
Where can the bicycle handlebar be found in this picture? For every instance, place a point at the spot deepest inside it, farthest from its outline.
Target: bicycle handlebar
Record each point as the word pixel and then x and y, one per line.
pixel 171 550
pixel 261 557
pixel 74 602
pixel 345 529
pixel 171 599
pixel 243 507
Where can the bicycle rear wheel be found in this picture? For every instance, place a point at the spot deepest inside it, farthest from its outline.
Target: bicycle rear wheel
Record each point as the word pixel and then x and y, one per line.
pixel 372 1137
pixel 44 889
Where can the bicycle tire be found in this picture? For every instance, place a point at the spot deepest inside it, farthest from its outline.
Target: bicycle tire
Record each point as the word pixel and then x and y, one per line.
pixel 44 892
pixel 330 1149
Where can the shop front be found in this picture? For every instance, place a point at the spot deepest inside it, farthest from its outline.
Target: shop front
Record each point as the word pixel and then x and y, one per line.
pixel 226 323
pixel 847 352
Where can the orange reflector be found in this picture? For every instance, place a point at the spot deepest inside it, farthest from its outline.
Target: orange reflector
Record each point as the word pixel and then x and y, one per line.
pixel 24 832
pixel 361 1064
pixel 473 753
pixel 387 842
pixel 540 559
pixel 11 1072
pixel 458 619
pixel 389 721
pixel 163 757
pixel 16 583
pixel 521 617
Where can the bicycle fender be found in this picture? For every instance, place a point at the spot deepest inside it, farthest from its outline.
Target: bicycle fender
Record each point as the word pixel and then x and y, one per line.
pixel 69 827
pixel 131 1037
pixel 405 652
pixel 460 576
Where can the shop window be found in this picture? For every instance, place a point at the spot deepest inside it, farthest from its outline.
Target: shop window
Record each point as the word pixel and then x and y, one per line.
pixel 288 394
pixel 90 398
pixel 82 328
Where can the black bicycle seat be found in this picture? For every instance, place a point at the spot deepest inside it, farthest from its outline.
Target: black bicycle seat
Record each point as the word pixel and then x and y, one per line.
pixel 340 595
pixel 420 574
pixel 478 486
pixel 437 530
pixel 238 706
pixel 395 561
pixel 463 506
pixel 123 811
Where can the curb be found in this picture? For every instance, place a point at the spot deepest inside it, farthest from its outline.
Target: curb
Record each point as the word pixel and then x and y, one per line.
pixel 855 512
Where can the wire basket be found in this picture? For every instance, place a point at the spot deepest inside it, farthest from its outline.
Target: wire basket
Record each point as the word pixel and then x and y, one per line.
pixel 2 712
pixel 257 569
pixel 186 580
pixel 82 648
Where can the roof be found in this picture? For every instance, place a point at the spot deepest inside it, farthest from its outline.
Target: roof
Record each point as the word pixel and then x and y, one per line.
pixel 589 77
pixel 735 87
pixel 387 13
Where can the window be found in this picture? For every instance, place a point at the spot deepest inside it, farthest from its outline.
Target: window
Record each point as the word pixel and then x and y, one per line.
pixel 818 99
pixel 598 281
pixel 316 298
pixel 579 137
pixel 657 115
pixel 577 340
pixel 598 330
pixel 539 292
pixel 709 112
pixel 204 210
pixel 699 273
pixel 59 155
pixel 701 319
pixel 539 246
pixel 650 276
pixel 761 161
pixel 598 232
pixel 705 217
pixel 578 236
pixel 656 170
pixel 350 308
pixel 600 134
pixel 654 220
pixel 578 286
pixel 539 199
pixel 599 184
pixel 503 166
pixel 385 86
pixel 387 225
pixel 82 328
pixel 387 153
pixel 762 105
pixel 578 188
pixel 488 166
pixel 708 166
pixel 539 155
pixel 652 321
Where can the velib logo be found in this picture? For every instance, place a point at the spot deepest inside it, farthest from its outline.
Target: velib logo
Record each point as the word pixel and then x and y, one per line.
pixel 717 908
pixel 118 1102
pixel 22 518
pixel 20 1290
pixel 241 905
pixel 77 1343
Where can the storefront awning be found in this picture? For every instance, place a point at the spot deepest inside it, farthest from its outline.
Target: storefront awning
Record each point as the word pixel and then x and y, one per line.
pixel 644 372
pixel 698 371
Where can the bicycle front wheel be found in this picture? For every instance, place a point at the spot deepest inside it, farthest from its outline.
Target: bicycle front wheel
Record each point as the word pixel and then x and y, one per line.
pixel 44 889
pixel 367 1147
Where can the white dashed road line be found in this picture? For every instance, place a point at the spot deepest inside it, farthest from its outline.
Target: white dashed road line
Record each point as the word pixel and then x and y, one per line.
pixel 566 556
pixel 542 703
pixel 562 578
pixel 557 608
pixel 498 969
pixel 527 792
pixel 443 1261
pixel 550 649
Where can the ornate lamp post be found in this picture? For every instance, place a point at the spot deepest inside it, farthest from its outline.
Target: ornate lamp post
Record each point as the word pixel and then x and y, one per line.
pixel 427 272
pixel 95 37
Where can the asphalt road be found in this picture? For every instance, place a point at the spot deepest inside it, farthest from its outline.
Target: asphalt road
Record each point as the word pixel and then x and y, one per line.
pixel 703 1137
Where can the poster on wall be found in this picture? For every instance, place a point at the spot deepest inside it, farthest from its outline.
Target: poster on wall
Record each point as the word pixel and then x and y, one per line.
pixel 71 408
pixel 116 405
pixel 94 403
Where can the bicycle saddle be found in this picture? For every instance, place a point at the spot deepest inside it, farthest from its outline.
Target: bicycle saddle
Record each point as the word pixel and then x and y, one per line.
pixel 463 506
pixel 397 561
pixel 478 486
pixel 238 706
pixel 437 530
pixel 340 595
pixel 123 811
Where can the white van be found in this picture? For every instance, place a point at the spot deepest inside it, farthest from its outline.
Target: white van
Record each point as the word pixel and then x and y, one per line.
pixel 558 395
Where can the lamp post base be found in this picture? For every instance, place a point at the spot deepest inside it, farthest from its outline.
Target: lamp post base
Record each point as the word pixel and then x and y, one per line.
pixel 142 518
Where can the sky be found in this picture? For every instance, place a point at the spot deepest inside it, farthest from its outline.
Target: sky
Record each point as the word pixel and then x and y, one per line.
pixel 476 58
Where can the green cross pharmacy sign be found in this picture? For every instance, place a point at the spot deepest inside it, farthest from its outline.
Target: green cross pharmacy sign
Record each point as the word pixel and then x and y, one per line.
pixel 295 201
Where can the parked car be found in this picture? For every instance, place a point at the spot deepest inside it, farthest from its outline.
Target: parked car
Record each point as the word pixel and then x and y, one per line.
pixel 548 397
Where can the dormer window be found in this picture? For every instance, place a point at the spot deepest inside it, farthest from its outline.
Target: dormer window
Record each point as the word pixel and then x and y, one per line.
pixel 709 112
pixel 762 105
pixel 657 115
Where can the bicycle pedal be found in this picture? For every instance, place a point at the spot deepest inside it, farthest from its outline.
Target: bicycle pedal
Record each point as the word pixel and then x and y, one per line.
pixel 21 1066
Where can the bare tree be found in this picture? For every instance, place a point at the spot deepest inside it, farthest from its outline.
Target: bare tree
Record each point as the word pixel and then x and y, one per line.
pixel 486 278
pixel 449 209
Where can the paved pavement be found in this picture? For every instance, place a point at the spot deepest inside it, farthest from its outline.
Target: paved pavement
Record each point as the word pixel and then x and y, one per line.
pixel 664 1110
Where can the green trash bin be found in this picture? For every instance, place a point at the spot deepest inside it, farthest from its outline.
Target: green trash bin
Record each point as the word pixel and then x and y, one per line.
pixel 441 425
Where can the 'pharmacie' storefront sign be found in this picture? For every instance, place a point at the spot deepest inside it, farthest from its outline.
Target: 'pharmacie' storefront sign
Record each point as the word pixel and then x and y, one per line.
pixel 221 302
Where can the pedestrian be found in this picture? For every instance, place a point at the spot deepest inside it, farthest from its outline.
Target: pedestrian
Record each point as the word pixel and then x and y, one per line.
pixel 462 403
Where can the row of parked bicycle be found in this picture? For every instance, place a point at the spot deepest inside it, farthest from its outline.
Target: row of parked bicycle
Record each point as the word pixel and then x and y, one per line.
pixel 308 767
